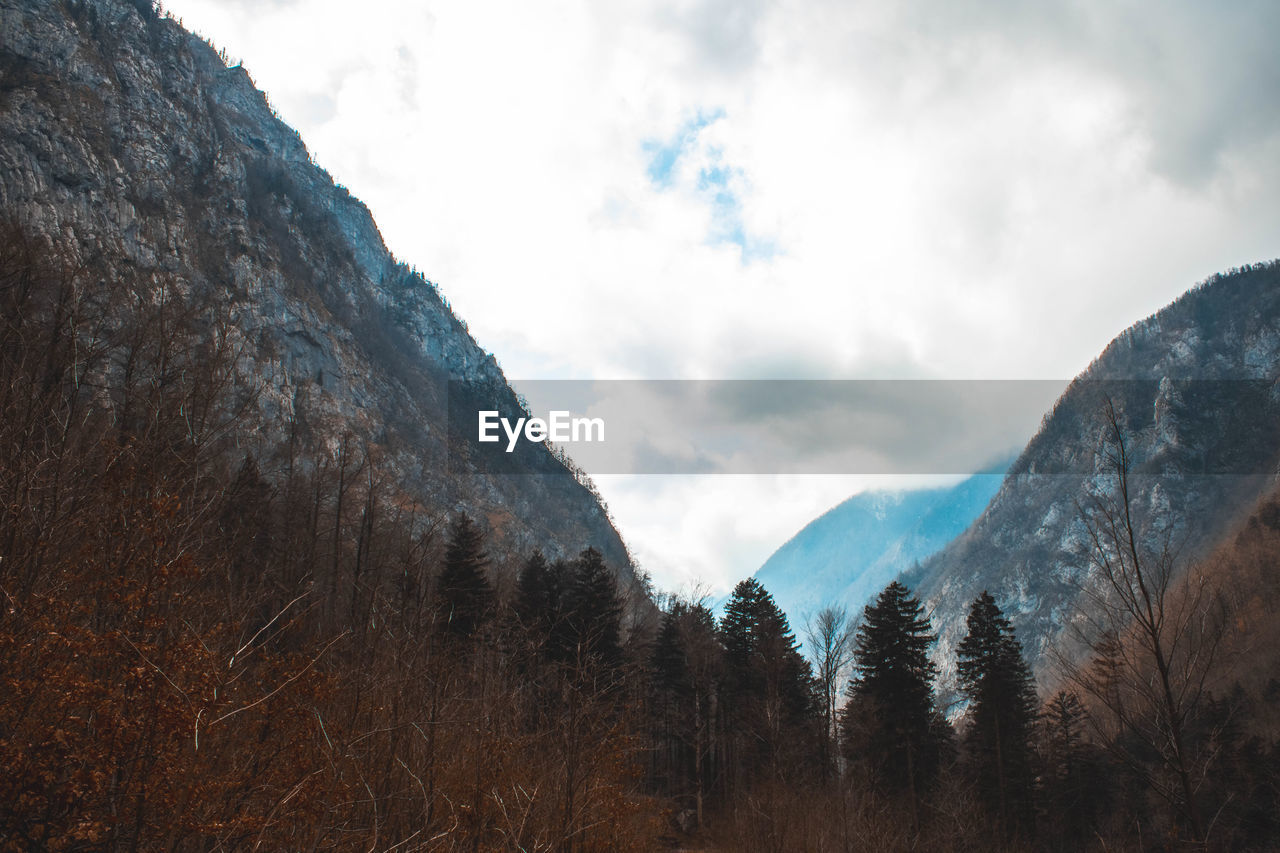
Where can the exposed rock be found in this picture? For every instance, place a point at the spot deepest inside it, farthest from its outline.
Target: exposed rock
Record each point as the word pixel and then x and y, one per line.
pixel 130 143
pixel 1197 390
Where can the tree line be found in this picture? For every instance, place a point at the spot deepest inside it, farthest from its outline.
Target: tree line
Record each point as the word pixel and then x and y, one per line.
pixel 208 644
pixel 211 642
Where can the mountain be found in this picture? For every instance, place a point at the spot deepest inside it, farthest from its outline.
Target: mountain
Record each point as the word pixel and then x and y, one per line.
pixel 845 556
pixel 1243 568
pixel 132 147
pixel 1195 391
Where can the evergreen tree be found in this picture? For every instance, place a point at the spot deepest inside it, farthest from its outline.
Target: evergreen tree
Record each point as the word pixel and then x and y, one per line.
pixel 890 722
pixel 594 611
pixel 667 688
pixel 685 662
pixel 755 632
pixel 667 660
pixel 996 681
pixel 1073 781
pixel 539 608
pixel 768 686
pixel 537 596
pixel 463 594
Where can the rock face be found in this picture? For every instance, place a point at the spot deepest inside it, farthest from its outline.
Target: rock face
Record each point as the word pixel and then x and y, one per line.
pixel 849 553
pixel 1197 393
pixel 130 143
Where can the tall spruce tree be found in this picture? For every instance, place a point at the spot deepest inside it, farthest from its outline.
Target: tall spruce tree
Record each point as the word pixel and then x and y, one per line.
pixel 890 722
pixel 1073 788
pixel 685 662
pixel 1002 709
pixel 537 596
pixel 768 686
pixel 539 608
pixel 668 660
pixel 595 611
pixel 464 597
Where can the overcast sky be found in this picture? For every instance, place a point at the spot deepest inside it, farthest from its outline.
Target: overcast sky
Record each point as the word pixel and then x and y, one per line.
pixel 743 189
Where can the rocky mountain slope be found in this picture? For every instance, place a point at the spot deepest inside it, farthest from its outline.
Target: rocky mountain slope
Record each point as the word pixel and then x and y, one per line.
pixel 131 145
pixel 1195 387
pixel 848 554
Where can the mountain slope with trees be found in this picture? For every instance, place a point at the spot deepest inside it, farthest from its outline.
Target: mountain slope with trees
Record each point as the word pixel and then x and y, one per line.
pixel 238 611
pixel 139 152
pixel 1195 390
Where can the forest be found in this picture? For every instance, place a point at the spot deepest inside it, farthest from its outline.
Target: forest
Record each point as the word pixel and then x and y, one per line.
pixel 204 649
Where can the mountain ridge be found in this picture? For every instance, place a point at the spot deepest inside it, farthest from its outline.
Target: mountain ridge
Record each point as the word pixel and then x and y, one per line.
pixel 128 141
pixel 848 553
pixel 1197 389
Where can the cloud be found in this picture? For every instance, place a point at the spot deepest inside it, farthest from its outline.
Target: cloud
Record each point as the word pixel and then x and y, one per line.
pixel 722 35
pixel 1200 81
pixel 691 162
pixel 789 189
pixel 775 426
pixel 712 531
pixel 855 180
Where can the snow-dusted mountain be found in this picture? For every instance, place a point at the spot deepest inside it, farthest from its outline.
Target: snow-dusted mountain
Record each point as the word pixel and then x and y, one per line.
pixel 848 554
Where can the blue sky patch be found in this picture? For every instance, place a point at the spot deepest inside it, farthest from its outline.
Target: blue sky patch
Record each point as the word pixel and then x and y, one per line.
pixel 663 156
pixel 715 185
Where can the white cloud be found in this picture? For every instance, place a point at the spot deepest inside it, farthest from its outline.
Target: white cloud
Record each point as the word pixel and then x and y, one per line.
pixel 712 531
pixel 945 190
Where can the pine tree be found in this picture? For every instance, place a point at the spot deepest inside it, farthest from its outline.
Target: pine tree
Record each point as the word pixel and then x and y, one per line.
pixel 538 609
pixel 996 681
pixel 669 674
pixel 463 594
pixel 890 721
pixel 667 660
pixel 594 611
pixel 537 596
pixel 685 662
pixel 755 631
pixel 1073 787
pixel 768 686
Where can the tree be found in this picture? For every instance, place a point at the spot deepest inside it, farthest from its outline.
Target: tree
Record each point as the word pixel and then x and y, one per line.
pixel 996 681
pixel 463 594
pixel 889 721
pixel 1154 648
pixel 1072 789
pixel 685 662
pixel 768 687
pixel 537 596
pixel 829 638
pixel 595 611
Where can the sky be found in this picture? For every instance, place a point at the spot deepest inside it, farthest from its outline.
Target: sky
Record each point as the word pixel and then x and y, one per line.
pixel 741 189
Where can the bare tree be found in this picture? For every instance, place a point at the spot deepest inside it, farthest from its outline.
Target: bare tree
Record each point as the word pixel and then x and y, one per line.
pixel 828 638
pixel 1155 637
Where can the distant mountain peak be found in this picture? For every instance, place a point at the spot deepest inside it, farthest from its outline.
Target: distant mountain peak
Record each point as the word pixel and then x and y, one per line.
pixel 846 555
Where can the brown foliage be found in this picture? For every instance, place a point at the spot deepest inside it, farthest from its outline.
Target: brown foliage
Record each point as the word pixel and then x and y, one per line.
pixel 201 650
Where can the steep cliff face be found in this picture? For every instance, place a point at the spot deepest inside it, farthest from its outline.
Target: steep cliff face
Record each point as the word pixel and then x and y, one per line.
pixel 1197 389
pixel 130 144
